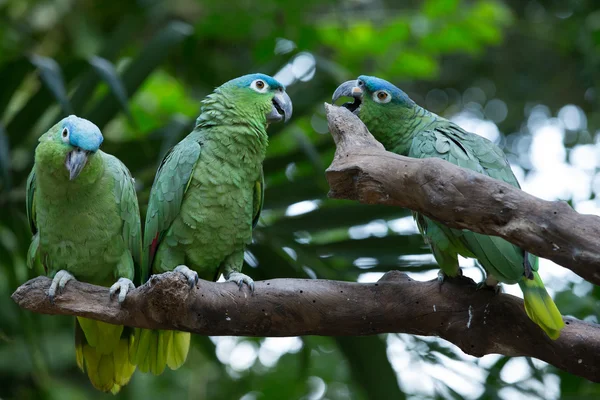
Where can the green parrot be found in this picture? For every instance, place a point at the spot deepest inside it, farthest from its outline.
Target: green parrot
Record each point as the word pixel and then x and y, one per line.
pixel 206 199
pixel 84 217
pixel 405 128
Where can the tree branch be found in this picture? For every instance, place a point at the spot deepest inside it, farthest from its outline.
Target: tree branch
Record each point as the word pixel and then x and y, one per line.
pixel 362 170
pixel 478 321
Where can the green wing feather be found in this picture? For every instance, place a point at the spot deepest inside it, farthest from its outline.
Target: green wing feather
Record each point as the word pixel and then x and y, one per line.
pixel 29 200
pixel 153 349
pixel 32 253
pixel 126 199
pixel 169 187
pixel 449 142
pixel 258 198
pixel 500 258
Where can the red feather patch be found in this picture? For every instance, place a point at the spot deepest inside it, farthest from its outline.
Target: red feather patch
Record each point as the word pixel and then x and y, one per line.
pixel 153 249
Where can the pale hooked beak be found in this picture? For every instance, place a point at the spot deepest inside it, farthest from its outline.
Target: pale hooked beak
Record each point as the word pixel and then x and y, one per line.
pixel 281 108
pixel 349 89
pixel 76 160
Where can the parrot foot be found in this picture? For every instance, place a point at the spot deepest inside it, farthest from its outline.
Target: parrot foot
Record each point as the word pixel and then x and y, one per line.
pixel 240 279
pixel 190 275
pixel 58 283
pixel 442 276
pixel 123 285
pixel 490 283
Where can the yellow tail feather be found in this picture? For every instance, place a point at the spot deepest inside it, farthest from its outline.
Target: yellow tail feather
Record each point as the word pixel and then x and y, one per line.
pixel 153 350
pixel 103 354
pixel 539 306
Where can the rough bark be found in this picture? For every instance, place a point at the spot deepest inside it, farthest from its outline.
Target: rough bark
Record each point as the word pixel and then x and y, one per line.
pixel 362 170
pixel 478 321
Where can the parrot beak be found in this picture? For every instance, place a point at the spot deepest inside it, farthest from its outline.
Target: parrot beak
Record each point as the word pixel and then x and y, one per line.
pixel 281 109
pixel 349 89
pixel 76 160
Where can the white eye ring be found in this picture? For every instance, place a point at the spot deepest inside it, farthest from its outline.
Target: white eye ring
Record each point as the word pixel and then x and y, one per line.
pixel 65 135
pixel 259 85
pixel 381 96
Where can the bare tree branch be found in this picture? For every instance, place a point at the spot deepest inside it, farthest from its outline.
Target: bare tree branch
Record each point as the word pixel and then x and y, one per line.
pixel 478 321
pixel 362 170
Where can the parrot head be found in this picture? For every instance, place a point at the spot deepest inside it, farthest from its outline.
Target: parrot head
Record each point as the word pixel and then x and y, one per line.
pixel 78 139
pixel 375 101
pixel 262 92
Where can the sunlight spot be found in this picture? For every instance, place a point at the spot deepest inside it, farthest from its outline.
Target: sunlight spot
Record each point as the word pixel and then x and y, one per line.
pixel 243 356
pixel 284 46
pixel 272 349
pixel 572 117
pixel 290 252
pixel 285 75
pixel 584 156
pixel 302 207
pixel 309 272
pixel 377 228
pixel 474 94
pixel 515 370
pixel 405 225
pixel 250 259
pixel 484 128
pixel 538 116
pixel 249 396
pixel 369 277
pixel 496 110
pixel 302 237
pixel 317 388
pixel 224 346
pixel 290 171
pixel 303 66
pixel 518 171
pixel 547 147
pixel 365 262
pixel 588 206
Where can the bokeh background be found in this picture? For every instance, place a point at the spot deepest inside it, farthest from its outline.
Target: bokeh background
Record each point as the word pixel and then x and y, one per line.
pixel 525 74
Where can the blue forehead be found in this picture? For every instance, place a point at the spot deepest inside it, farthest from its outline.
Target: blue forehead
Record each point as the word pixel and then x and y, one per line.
pixel 83 133
pixel 246 80
pixel 373 84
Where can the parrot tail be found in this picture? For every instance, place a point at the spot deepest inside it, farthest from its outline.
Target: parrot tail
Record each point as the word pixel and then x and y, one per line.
pixel 539 306
pixel 152 350
pixel 102 352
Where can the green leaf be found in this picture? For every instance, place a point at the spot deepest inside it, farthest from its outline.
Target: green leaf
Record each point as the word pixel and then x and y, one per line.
pixel 12 75
pixel 141 67
pixel 108 73
pixel 370 367
pixel 51 75
pixel 372 247
pixel 5 184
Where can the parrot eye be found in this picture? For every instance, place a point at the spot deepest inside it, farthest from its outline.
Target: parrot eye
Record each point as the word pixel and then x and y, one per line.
pixel 259 85
pixel 65 135
pixel 381 96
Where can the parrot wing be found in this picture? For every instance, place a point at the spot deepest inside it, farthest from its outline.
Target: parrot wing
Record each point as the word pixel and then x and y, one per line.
pixel 127 202
pixel 29 200
pixel 258 198
pixel 467 150
pixel 169 187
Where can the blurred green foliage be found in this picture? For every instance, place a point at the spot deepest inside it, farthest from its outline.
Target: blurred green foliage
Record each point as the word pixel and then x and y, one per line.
pixel 139 70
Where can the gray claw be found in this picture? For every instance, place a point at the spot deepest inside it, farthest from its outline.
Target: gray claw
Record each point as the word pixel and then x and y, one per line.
pixel 190 275
pixel 496 287
pixel 58 283
pixel 441 276
pixel 123 285
pixel 240 279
